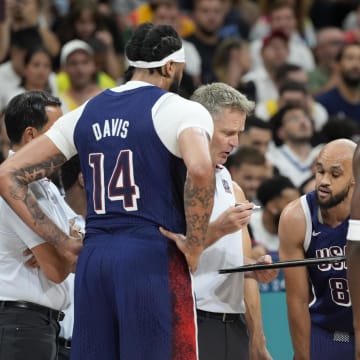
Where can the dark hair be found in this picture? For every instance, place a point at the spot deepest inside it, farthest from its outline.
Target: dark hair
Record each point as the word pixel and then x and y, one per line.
pixel 305 183
pixel 283 70
pixel 29 55
pixel 66 30
pixel 245 155
pixel 276 5
pixel 290 85
pixel 152 43
pixel 253 121
pixel 70 171
pixel 26 38
pixel 277 120
pixel 27 109
pixel 224 49
pixel 344 47
pixel 272 188
pixel 338 127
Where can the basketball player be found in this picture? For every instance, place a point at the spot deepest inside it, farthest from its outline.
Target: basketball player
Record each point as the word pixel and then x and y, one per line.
pixel 320 313
pixel 145 159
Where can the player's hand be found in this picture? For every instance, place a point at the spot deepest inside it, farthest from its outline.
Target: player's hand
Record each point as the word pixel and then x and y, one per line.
pixel 181 242
pixel 262 276
pixel 31 262
pixel 72 246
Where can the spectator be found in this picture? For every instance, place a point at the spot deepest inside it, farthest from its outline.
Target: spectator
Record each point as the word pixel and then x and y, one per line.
pixel 296 93
pixel 11 72
pixel 145 12
pixel 248 168
pixel 307 185
pixel 167 12
pixel 36 72
pixel 208 16
pixel 85 22
pixel 102 79
pixel 293 154
pixel 304 24
pixel 344 98
pixel 231 62
pixel 273 194
pixel 274 53
pixel 282 18
pixel 290 72
pixel 324 77
pixel 77 60
pixel 340 127
pixel 26 15
pixel 257 134
pixel 35 76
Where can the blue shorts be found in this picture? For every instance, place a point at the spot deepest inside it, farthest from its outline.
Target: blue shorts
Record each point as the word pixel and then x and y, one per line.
pixel 333 345
pixel 133 300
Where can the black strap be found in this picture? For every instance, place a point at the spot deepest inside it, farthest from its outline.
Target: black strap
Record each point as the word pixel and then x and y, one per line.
pixel 54 314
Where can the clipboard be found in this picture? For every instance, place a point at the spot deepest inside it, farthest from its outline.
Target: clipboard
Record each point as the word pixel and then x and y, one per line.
pixel 284 264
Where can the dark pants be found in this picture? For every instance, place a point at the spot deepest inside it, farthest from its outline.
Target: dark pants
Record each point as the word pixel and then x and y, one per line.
pixel 27 334
pixel 222 340
pixel 64 348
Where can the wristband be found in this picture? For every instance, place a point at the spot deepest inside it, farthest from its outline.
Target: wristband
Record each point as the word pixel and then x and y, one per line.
pixel 353 230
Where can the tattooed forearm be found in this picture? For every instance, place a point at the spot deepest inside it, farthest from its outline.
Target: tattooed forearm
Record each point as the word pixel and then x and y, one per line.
pixel 22 177
pixel 198 206
pixel 49 231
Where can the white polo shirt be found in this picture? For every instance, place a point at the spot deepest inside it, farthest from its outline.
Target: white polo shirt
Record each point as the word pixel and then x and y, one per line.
pixel 17 281
pixel 221 293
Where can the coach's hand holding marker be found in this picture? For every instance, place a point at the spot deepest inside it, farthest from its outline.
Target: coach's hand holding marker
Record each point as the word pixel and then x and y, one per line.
pixel 255 207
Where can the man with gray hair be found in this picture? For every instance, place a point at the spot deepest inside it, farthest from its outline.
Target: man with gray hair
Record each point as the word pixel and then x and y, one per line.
pixel 221 299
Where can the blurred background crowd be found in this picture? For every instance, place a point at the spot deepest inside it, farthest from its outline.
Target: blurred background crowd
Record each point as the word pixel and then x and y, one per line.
pixel 299 60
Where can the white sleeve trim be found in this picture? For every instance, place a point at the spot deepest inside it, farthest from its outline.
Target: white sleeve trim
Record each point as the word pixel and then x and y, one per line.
pixel 173 114
pixel 307 214
pixel 353 233
pixel 62 132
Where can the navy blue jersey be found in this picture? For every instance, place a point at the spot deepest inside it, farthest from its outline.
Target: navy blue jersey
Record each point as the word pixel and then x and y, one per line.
pixel 330 307
pixel 130 176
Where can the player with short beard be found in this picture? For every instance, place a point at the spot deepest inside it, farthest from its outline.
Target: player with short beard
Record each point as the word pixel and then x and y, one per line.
pixel 318 299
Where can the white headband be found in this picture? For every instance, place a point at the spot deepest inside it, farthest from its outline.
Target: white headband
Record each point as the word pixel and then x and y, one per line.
pixel 177 56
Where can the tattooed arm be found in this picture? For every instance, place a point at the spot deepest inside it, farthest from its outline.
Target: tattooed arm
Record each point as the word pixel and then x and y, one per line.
pixel 36 160
pixel 198 192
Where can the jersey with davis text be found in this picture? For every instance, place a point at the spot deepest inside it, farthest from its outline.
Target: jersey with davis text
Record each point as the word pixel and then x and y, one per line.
pixel 130 176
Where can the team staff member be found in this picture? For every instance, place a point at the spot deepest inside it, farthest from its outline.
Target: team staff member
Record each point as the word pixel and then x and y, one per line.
pixel 220 298
pixel 31 299
pixel 316 226
pixel 144 154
